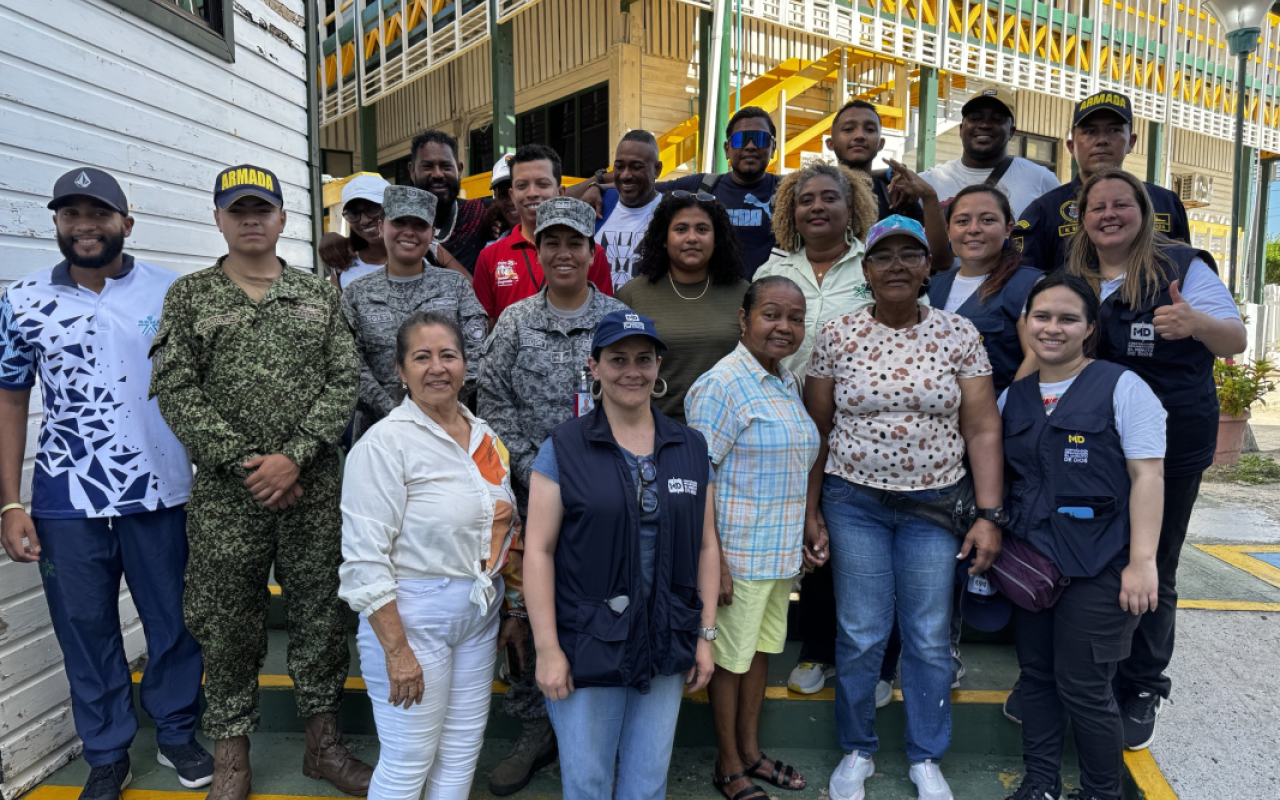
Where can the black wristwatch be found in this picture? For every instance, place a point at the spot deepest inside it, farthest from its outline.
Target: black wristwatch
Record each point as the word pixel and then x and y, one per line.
pixel 600 173
pixel 997 515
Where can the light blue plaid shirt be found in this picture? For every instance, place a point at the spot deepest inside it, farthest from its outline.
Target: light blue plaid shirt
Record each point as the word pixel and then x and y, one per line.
pixel 762 444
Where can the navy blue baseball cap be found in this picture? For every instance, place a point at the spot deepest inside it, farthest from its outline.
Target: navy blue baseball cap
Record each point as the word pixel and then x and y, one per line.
pixel 623 323
pixel 982 607
pixel 246 180
pixel 92 183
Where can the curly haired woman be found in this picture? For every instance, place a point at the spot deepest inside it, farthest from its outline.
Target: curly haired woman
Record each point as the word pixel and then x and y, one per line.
pixel 687 281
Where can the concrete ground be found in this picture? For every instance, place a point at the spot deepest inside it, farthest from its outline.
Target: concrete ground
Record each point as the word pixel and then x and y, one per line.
pixel 1220 735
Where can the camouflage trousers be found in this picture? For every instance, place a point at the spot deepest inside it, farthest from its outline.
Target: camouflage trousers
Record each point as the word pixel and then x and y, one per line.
pixel 234 543
pixel 524 699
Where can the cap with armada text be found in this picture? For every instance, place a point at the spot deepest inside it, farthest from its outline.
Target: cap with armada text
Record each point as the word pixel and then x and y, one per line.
pixel 92 183
pixel 991 95
pixel 622 323
pixel 1114 102
pixel 246 180
pixel 399 202
pixel 567 211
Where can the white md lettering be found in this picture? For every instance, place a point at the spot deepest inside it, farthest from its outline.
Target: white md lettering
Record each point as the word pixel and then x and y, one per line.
pixel 675 486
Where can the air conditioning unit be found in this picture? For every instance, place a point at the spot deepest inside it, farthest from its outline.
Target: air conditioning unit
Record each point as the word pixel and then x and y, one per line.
pixel 1195 189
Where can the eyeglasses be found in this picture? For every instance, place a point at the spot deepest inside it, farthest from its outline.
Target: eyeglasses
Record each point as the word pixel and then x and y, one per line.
pixel 648 476
pixel 741 139
pixel 372 213
pixel 882 262
pixel 681 194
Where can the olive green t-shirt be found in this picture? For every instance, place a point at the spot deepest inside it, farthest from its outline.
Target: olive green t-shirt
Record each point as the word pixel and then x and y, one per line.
pixel 698 333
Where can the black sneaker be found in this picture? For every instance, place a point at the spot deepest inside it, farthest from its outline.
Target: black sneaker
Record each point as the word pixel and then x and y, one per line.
pixel 193 763
pixel 1034 790
pixel 1013 703
pixel 108 781
pixel 1082 794
pixel 1138 715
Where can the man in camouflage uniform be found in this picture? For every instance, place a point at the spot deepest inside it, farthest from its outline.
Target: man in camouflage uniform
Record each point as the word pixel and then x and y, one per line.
pixel 377 303
pixel 255 372
pixel 532 362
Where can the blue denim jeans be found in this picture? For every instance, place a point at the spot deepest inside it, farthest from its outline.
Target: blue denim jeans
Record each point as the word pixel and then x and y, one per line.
pixel 884 558
pixel 605 731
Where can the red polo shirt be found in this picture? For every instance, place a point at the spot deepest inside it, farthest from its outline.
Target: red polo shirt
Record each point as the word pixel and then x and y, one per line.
pixel 508 271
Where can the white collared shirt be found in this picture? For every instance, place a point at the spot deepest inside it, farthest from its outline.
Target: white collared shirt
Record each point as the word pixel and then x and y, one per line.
pixel 415 506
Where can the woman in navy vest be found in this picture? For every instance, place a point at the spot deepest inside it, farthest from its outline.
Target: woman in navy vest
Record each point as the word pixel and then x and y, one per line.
pixel 1083 444
pixel 990 286
pixel 1165 315
pixel 622 572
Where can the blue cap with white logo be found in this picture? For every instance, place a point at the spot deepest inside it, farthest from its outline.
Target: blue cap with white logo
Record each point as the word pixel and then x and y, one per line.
pixel 620 324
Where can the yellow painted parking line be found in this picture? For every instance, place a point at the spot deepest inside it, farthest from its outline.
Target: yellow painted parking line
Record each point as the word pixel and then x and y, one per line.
pixel 1226 605
pixel 1237 555
pixel 1146 773
pixel 275 590
pixel 285 682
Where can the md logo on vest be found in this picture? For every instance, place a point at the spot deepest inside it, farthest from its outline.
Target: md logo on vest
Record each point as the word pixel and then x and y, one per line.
pixel 1142 339
pixel 1078 454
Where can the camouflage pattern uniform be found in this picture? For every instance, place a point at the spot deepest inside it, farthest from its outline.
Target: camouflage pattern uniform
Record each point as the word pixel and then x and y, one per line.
pixel 530 372
pixel 375 305
pixel 237 379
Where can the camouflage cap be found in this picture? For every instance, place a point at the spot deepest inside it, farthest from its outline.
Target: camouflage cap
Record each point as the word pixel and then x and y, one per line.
pixel 408 201
pixel 567 211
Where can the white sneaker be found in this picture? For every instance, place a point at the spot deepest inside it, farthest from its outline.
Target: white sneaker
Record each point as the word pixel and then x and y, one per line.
pixel 846 782
pixel 929 781
pixel 809 677
pixel 884 693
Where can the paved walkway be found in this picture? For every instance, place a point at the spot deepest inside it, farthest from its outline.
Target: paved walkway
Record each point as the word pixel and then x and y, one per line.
pixel 1220 736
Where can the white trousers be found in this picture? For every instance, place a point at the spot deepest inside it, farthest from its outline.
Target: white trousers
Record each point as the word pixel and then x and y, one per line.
pixel 437 742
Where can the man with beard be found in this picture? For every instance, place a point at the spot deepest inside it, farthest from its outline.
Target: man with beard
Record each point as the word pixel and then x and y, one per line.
pixel 629 206
pixel 1101 136
pixel 985 131
pixel 110 486
pixel 255 369
pixel 459 224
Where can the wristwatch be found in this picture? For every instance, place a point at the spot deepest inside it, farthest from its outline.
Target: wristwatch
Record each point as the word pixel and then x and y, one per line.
pixel 709 634
pixel 997 515
pixel 599 175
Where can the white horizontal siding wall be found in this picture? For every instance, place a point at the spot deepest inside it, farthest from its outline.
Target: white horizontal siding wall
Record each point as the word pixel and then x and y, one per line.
pixel 87 83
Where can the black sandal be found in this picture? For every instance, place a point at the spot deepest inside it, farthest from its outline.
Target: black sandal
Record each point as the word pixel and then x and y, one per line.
pixel 781 777
pixel 752 792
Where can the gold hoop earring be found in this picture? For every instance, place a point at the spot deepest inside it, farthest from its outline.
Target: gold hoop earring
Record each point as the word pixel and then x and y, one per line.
pixel 848 235
pixel 662 393
pixel 597 389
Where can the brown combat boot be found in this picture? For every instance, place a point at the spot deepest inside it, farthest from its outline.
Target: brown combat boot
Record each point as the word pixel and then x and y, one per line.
pixel 535 749
pixel 231 772
pixel 327 757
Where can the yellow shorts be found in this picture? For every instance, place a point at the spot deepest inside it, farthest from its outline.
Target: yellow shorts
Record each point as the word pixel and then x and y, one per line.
pixel 755 622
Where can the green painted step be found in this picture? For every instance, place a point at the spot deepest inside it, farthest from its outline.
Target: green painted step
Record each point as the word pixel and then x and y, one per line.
pixel 276 759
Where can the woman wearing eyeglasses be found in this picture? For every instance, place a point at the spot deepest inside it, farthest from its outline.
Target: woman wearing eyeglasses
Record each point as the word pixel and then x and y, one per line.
pixel 901 393
pixel 687 281
pixel 362 251
pixel 621 572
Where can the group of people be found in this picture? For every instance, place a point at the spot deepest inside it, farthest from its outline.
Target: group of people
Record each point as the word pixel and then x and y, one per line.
pixel 601 431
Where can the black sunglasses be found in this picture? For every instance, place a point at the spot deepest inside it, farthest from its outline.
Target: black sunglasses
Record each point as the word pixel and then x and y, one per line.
pixel 648 475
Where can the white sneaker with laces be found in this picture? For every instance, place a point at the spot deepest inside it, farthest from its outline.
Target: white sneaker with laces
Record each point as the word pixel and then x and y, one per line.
pixel 884 693
pixel 809 677
pixel 929 781
pixel 852 772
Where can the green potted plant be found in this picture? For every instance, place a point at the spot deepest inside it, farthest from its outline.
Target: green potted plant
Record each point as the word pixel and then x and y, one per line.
pixel 1240 385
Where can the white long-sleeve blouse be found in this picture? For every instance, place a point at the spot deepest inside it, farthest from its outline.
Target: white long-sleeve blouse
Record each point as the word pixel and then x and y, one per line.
pixel 415 505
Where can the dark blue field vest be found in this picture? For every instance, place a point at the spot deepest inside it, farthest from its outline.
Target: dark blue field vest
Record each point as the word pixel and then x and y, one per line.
pixel 1179 371
pixel 996 318
pixel 598 554
pixel 1070 459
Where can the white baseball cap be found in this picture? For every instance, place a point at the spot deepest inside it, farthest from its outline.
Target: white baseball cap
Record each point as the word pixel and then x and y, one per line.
pixel 364 187
pixel 501 171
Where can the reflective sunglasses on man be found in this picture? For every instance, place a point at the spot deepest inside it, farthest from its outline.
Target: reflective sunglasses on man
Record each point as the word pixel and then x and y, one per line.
pixel 741 139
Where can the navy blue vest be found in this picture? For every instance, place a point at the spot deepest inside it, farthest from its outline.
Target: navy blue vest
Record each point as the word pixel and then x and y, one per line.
pixel 598 553
pixel 1072 458
pixel 996 318
pixel 1179 371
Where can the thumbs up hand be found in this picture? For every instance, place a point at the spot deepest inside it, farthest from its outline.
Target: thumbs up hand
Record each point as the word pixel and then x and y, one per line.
pixel 1179 320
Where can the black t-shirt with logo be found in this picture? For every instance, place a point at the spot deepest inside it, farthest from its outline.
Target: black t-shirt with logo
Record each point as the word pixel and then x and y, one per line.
pixel 1051 219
